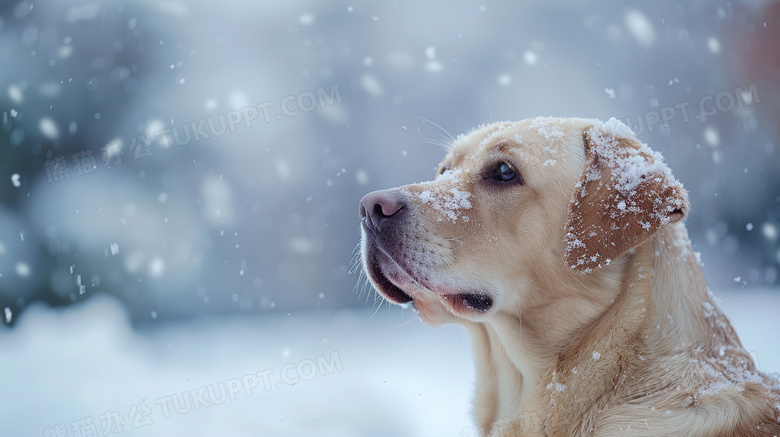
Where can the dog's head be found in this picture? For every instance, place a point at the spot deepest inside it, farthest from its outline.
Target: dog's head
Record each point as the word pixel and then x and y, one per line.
pixel 516 205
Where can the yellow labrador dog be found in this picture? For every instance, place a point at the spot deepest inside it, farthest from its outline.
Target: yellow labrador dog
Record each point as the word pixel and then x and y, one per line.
pixel 558 244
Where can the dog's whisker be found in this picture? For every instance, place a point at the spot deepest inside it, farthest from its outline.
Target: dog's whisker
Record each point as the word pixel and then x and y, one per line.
pixel 367 289
pixel 449 135
pixel 357 261
pixel 380 301
pixel 361 284
pixel 415 317
pixel 444 145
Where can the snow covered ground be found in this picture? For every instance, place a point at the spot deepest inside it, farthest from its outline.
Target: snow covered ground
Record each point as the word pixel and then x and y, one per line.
pixel 83 371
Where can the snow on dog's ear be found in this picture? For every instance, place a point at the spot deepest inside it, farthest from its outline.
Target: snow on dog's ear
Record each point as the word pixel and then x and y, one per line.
pixel 624 195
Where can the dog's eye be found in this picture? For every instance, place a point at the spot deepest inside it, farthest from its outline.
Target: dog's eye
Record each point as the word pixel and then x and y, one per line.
pixel 442 170
pixel 504 173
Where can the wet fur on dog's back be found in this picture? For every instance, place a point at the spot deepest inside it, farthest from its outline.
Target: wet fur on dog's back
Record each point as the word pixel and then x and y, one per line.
pixel 559 245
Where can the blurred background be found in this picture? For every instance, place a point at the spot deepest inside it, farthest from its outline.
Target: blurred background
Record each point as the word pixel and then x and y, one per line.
pixel 170 166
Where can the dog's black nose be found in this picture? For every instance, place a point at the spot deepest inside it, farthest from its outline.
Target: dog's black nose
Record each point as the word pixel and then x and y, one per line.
pixel 380 205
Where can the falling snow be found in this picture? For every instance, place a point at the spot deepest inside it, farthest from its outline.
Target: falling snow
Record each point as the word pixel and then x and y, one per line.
pixel 262 218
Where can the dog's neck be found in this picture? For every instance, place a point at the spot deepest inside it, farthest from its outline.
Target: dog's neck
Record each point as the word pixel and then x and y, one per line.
pixel 525 365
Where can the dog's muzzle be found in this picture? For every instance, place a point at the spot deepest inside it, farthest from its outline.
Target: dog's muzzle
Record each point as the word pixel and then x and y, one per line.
pixel 382 214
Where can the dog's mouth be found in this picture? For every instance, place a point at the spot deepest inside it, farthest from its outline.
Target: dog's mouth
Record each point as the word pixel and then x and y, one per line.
pixel 385 286
pixel 464 302
pixel 391 280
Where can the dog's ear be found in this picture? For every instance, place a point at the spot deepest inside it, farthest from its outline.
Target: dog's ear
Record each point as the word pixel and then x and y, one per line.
pixel 624 195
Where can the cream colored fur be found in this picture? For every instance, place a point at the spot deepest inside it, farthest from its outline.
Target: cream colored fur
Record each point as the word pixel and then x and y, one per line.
pixel 634 345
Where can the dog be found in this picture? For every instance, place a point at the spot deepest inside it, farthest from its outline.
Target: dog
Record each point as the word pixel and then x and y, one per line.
pixel 559 245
